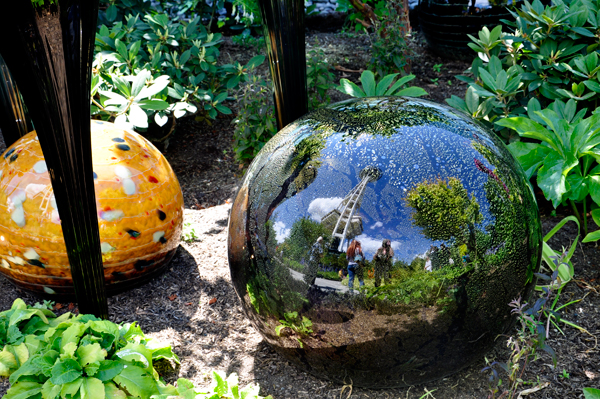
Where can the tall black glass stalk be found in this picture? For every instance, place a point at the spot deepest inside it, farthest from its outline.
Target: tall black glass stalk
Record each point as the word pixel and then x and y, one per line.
pixel 49 50
pixel 14 121
pixel 283 24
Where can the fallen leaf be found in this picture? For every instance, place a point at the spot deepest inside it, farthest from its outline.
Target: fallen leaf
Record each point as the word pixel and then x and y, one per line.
pixel 173 297
pixel 341 68
pixel 526 392
pixel 214 300
pixel 589 374
pixel 188 303
pixel 71 306
pixel 58 306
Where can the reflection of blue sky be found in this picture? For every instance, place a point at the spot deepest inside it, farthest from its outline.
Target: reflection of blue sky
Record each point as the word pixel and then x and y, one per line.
pixel 418 153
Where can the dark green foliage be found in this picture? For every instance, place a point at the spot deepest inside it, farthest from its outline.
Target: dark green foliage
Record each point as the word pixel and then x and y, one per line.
pixel 550 54
pixel 303 235
pixel 255 121
pixel 156 68
pixel 319 78
pixel 390 52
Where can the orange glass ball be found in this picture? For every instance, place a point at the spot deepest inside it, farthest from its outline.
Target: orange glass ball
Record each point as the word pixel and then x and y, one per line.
pixel 139 205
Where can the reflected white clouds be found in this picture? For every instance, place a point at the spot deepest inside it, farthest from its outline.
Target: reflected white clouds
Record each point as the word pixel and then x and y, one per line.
pixel 320 207
pixel 281 232
pixel 370 245
pixel 376 225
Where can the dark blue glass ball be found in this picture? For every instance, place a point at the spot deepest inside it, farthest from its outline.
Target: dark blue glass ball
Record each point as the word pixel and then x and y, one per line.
pixel 421 209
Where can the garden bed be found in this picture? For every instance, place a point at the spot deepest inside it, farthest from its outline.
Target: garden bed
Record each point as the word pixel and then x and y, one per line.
pixel 193 305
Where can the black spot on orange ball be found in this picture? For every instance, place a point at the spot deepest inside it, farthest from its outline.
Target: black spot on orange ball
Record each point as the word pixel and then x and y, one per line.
pixel 36 262
pixel 133 233
pixel 141 264
pixel 123 147
pixel 163 240
pixel 8 153
pixel 118 140
pixel 161 215
pixel 14 158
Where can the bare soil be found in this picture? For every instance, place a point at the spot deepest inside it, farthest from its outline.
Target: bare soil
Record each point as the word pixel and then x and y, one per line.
pixel 194 307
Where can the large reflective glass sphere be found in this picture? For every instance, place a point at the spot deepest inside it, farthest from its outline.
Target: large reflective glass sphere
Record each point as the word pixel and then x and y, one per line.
pixel 138 200
pixel 379 241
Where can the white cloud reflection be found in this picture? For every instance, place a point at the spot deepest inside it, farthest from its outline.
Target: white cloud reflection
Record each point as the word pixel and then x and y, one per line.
pixel 281 232
pixel 370 245
pixel 320 207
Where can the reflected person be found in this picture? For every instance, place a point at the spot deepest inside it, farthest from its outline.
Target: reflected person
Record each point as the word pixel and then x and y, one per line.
pixel 316 252
pixel 355 256
pixel 383 262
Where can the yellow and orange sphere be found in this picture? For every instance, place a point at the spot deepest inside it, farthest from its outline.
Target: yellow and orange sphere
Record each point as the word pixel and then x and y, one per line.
pixel 139 205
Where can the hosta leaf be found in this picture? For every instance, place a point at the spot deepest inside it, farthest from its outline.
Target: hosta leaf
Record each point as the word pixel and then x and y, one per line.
pixel 350 88
pixel 137 382
pixel 367 79
pixel 65 371
pixel 90 354
pixel 92 388
pixel 412 91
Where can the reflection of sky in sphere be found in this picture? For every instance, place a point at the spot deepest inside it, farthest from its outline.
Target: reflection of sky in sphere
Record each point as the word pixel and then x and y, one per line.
pixel 415 154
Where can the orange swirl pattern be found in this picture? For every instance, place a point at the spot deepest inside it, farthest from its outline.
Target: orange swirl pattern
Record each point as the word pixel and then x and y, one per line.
pixel 139 204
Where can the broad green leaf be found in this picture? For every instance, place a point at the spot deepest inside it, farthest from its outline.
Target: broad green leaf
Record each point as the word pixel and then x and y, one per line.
pixel 29 368
pixel 458 103
pixel 50 391
pixel 531 129
pixel 90 354
pixel 137 382
pixel 108 331
pixel 591 237
pixel 471 100
pixel 7 363
pixel 139 82
pixel 350 88
pixel 136 352
pixel 109 369
pixel 153 104
pixel 65 371
pixel 68 351
pixel 111 391
pixel 23 390
pixel 25 314
pixel 69 389
pixel 367 78
pixel 156 87
pixel 137 116
pixel 412 91
pixel 384 83
pixel 399 83
pixel 594 188
pixel 591 393
pixel 552 177
pixel 92 388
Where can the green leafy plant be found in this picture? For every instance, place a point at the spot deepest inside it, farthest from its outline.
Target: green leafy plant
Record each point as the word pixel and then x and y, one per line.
pixel 385 87
pixel 189 233
pixel 591 393
pixel 531 338
pixel 301 326
pixel 69 356
pixel 551 257
pixel 565 159
pixel 437 68
pixel 549 54
pixel 255 121
pixel 319 78
pixel 390 52
pixel 174 73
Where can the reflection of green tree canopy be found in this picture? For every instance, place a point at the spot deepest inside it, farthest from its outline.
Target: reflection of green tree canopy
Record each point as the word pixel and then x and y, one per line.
pixel 303 235
pixel 378 117
pixel 444 210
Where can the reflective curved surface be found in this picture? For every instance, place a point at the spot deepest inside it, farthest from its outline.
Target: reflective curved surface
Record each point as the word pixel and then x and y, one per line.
pixel 139 213
pixel 448 226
